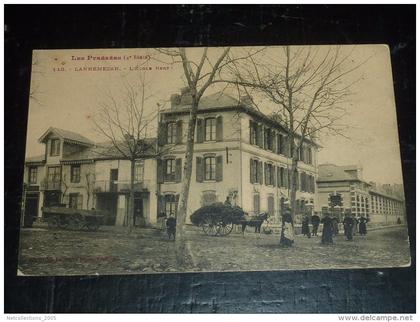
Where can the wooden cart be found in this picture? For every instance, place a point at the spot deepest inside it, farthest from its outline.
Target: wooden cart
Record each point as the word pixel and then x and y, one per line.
pixel 73 219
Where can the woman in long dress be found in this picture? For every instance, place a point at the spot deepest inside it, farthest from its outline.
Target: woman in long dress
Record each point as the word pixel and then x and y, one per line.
pixel 327 230
pixel 287 236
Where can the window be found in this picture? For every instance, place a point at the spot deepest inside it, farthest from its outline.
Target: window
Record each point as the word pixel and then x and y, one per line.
pixel 54 177
pixel 254 171
pixel 139 171
pixel 171 205
pixel 55 147
pixel 210 168
pixel 75 173
pixel 170 170
pixel 33 171
pixel 253 128
pixel 171 131
pixel 269 174
pixel 210 126
pixel 75 200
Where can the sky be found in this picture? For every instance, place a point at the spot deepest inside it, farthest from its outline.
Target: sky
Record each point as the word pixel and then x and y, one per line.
pixel 67 97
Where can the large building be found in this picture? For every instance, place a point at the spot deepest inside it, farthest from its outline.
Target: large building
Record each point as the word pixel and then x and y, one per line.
pixel 239 152
pixel 357 196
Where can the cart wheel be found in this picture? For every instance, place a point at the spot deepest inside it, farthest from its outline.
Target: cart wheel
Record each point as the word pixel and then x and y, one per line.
pixel 62 222
pixel 209 227
pixel 92 226
pixel 74 223
pixel 53 222
pixel 224 229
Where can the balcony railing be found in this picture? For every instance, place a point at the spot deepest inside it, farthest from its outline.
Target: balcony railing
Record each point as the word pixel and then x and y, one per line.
pixel 119 186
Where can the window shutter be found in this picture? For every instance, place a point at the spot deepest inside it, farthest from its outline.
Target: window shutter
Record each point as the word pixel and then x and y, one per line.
pixel 179 132
pixel 200 130
pixel 162 135
pixel 251 170
pixel 310 155
pixel 250 133
pixel 265 174
pixel 260 136
pixel 178 170
pixel 260 172
pixel 219 128
pixel 273 175
pixel 219 168
pixel 199 169
pixel 160 164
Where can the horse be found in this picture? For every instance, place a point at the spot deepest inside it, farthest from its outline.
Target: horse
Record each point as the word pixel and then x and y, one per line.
pixel 255 221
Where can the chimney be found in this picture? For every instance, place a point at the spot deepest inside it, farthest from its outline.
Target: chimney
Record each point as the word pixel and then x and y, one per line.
pixel 186 98
pixel 175 100
pixel 246 100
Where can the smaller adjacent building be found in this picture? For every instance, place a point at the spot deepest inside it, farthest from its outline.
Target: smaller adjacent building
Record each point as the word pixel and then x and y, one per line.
pixel 357 196
pixel 77 173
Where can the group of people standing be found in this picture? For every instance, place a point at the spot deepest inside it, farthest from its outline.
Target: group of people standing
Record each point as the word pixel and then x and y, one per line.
pixel 330 227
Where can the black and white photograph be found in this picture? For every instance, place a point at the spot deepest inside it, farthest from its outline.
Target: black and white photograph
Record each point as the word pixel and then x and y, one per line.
pixel 212 159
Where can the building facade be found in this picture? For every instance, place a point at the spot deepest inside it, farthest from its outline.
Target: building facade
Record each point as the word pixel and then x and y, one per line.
pixel 73 173
pixel 239 153
pixel 359 197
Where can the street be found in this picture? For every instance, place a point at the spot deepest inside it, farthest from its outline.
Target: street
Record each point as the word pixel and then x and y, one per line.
pixel 112 251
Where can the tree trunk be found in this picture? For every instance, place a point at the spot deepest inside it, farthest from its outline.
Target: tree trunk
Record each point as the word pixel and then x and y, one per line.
pixel 130 215
pixel 182 257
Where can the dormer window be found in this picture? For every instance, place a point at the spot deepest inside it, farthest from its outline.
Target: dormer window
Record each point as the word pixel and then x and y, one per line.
pixel 55 147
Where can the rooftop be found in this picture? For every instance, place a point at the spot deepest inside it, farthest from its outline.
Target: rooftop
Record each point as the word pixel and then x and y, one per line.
pixel 331 172
pixel 221 100
pixel 66 135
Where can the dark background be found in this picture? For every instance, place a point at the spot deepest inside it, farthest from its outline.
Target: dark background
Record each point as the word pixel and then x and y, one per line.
pixel 38 27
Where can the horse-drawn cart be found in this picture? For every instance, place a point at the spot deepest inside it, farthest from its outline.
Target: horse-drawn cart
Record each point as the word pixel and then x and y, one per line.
pixel 70 218
pixel 217 219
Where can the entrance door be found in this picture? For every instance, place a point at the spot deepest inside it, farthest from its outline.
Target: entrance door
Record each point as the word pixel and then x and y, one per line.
pixel 31 209
pixel 113 178
pixel 107 202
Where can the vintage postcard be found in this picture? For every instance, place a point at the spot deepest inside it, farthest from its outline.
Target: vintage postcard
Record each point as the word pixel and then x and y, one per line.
pixel 166 160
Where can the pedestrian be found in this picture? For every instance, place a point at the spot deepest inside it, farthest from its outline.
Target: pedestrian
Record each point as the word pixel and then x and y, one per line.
pixel 305 226
pixel 335 225
pixel 227 202
pixel 171 226
pixel 327 230
pixel 287 234
pixel 356 224
pixel 315 224
pixel 348 224
pixel 362 225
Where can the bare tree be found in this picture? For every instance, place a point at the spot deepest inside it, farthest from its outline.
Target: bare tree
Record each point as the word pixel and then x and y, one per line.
pixel 90 183
pixel 123 120
pixel 199 76
pixel 309 89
